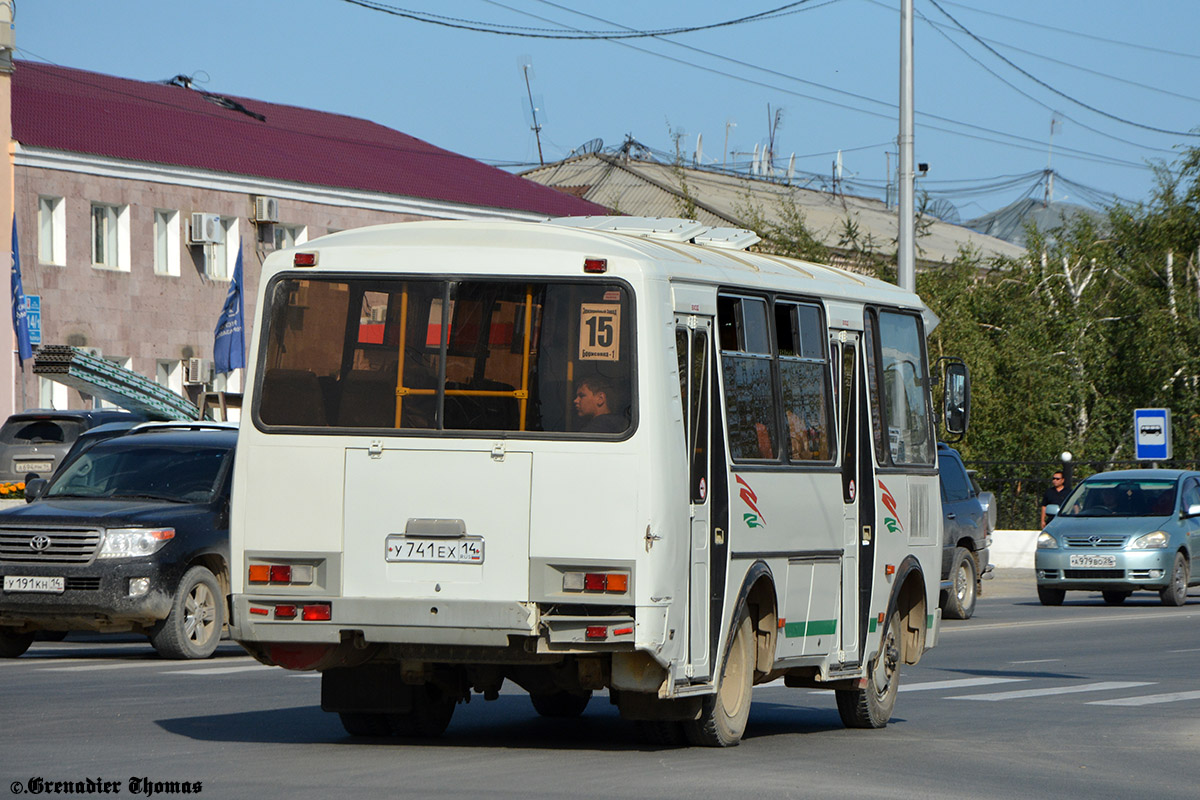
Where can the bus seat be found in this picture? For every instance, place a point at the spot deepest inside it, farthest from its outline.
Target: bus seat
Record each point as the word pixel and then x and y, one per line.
pixel 481 413
pixel 368 399
pixel 292 397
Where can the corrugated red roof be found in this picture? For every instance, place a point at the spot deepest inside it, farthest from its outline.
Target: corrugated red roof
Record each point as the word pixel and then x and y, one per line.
pixel 87 112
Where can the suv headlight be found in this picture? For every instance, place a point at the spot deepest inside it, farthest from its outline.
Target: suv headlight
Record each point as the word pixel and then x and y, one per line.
pixel 1151 541
pixel 1046 542
pixel 134 542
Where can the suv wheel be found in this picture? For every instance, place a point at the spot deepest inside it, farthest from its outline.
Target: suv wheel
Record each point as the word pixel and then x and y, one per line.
pixel 13 644
pixel 960 600
pixel 193 628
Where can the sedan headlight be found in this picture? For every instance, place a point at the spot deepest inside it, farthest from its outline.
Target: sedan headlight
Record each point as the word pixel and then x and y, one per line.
pixel 134 542
pixel 1046 542
pixel 1151 541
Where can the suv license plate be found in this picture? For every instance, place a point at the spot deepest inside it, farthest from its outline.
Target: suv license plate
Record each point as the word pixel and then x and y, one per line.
pixel 34 583
pixel 21 467
pixel 407 549
pixel 1093 561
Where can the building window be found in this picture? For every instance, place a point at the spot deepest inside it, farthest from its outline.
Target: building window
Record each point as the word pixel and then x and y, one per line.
pixel 52 231
pixel 222 258
pixel 51 394
pixel 290 235
pixel 110 236
pixel 169 373
pixel 166 242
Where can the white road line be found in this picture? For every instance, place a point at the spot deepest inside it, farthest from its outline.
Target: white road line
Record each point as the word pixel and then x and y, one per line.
pixel 961 683
pixel 107 665
pixel 1148 699
pixel 1038 661
pixel 1019 694
pixel 1191 650
pixel 216 670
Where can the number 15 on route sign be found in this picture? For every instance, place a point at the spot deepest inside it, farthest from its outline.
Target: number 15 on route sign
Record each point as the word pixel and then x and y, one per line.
pixel 600 332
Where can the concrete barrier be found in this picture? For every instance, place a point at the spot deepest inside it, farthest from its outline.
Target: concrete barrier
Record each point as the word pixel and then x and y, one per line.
pixel 1013 549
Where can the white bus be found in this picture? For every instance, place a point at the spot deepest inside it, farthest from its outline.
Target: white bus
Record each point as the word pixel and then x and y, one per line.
pixel 590 454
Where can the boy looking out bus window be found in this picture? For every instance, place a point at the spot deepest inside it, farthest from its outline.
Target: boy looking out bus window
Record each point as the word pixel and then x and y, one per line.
pixel 596 401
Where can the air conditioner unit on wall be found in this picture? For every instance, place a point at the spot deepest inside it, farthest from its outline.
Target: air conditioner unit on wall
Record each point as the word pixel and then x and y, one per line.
pixel 266 209
pixel 198 371
pixel 206 229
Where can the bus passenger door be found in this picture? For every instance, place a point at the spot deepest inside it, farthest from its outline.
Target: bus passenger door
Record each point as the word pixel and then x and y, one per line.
pixel 692 343
pixel 845 349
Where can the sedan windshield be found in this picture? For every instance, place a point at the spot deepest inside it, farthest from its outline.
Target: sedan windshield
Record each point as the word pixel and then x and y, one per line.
pixel 1121 498
pixel 178 474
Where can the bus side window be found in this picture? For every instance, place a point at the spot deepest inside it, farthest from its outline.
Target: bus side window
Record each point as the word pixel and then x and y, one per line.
pixel 746 362
pixel 804 375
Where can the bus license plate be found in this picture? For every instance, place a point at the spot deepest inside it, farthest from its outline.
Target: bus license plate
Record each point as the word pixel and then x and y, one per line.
pixel 34 583
pixel 1093 561
pixel 402 548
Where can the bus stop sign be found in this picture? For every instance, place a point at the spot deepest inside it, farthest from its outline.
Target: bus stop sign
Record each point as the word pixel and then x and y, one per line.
pixel 1152 434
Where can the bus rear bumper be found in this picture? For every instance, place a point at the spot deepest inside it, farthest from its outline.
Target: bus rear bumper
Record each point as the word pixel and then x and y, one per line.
pixel 257 618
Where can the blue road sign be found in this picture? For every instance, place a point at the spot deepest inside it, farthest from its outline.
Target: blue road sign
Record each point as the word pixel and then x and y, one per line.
pixel 33 312
pixel 1152 434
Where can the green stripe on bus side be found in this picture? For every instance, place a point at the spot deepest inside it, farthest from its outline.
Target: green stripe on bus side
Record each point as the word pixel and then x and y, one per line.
pixel 819 627
pixel 929 621
pixel 871 627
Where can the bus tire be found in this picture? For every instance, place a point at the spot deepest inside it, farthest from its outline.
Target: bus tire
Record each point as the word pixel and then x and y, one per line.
pixel 430 715
pixel 960 600
pixel 723 715
pixel 560 705
pixel 366 725
pixel 872 705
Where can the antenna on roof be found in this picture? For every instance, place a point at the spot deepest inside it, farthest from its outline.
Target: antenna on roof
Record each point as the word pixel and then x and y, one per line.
pixel 526 64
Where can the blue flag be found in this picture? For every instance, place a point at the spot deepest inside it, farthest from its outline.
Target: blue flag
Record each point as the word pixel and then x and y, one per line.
pixel 229 345
pixel 20 315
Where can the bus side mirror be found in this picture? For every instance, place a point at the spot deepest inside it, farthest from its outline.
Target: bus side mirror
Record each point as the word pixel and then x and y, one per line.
pixel 956 398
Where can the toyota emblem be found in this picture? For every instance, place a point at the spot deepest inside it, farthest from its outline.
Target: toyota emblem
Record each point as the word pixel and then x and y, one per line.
pixel 40 543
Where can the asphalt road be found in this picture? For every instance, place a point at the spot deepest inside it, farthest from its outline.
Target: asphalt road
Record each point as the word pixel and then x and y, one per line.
pixel 1023 701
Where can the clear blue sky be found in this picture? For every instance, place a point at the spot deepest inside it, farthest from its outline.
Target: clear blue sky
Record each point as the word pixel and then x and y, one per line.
pixel 830 65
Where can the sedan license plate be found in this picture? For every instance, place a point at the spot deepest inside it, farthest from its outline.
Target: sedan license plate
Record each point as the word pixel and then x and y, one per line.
pixel 1093 561
pixel 402 548
pixel 21 467
pixel 34 583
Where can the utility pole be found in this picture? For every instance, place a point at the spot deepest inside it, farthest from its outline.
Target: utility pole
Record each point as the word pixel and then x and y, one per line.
pixel 537 129
pixel 906 271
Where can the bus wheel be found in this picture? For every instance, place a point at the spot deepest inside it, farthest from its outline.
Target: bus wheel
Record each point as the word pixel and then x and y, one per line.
pixel 871 706
pixel 373 725
pixel 723 715
pixel 561 705
pixel 432 710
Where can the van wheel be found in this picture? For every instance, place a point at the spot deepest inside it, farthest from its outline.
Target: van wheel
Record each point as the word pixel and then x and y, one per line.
pixel 430 716
pixel 193 628
pixel 367 725
pixel 1175 592
pixel 1048 596
pixel 960 600
pixel 723 715
pixel 561 705
pixel 872 705
pixel 13 644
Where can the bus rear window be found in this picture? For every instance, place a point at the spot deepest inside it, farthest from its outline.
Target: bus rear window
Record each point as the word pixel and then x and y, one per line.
pixel 439 355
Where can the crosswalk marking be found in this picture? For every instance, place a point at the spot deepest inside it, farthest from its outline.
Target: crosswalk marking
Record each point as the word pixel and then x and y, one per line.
pixel 1148 699
pixel 1102 686
pixel 256 667
pixel 960 683
pixel 118 665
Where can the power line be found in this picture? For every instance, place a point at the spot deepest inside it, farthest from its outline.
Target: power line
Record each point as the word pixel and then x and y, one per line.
pixel 1069 32
pixel 1048 87
pixel 545 33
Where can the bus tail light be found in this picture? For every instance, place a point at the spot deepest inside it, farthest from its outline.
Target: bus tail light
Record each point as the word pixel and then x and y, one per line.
pixel 596 632
pixel 293 574
pixel 317 611
pixel 285 611
pixel 610 582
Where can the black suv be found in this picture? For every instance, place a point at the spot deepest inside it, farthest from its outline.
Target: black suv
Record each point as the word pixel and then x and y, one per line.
pixel 36 441
pixel 131 533
pixel 967 531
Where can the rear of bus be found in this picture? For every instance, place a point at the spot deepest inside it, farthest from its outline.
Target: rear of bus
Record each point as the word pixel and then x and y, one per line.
pixel 439 483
